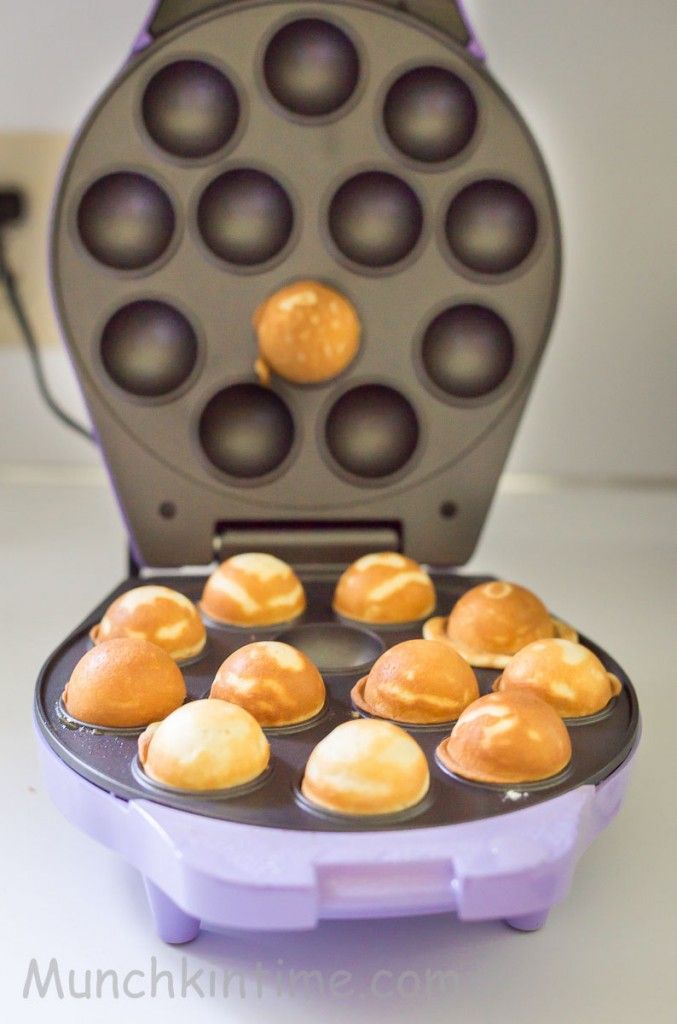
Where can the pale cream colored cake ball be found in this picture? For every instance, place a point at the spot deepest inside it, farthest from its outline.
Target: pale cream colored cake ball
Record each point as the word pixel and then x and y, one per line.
pixel 492 621
pixel 205 745
pixel 253 589
pixel 273 681
pixel 124 683
pixel 507 738
pixel 366 766
pixel 565 674
pixel 384 588
pixel 159 614
pixel 417 682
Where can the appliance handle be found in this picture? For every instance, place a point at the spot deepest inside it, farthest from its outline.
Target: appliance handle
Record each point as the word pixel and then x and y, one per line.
pixel 447 15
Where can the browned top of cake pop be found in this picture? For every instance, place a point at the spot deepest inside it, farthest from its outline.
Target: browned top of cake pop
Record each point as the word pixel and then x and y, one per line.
pixel 565 674
pixel 307 333
pixel 207 744
pixel 384 588
pixel 366 766
pixel 417 681
pixel 492 621
pixel 124 683
pixel 276 683
pixel 507 738
pixel 253 589
pixel 159 614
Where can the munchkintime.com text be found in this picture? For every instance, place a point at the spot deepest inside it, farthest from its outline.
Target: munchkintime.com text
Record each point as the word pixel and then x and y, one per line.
pixel 187 980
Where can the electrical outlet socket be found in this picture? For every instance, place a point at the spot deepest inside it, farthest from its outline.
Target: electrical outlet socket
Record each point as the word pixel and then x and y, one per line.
pixel 12 205
pixel 31 162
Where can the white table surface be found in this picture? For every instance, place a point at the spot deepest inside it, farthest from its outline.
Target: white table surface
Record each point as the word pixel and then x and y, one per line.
pixel 605 560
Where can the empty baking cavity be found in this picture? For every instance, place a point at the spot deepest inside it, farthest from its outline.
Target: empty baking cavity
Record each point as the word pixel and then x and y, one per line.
pixel 245 217
pixel 430 114
pixel 334 647
pixel 149 348
pixel 491 226
pixel 190 109
pixel 126 221
pixel 372 431
pixel 467 351
pixel 375 219
pixel 246 431
pixel 311 67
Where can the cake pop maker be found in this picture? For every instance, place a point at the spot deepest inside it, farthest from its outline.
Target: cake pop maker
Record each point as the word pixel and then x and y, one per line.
pixel 363 144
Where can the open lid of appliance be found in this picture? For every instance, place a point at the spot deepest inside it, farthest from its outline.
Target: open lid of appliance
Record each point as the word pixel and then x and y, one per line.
pixel 248 145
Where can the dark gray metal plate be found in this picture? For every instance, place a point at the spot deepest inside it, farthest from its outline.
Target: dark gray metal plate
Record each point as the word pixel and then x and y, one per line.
pixel 599 745
pixel 193 210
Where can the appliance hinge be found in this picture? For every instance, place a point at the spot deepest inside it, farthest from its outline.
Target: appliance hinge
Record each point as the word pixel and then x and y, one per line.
pixel 308 543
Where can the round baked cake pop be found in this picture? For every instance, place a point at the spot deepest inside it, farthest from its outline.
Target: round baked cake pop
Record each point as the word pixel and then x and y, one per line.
pixel 253 590
pixel 507 738
pixel 307 333
pixel 418 682
pixel 274 682
pixel 385 588
pixel 565 674
pixel 124 683
pixel 492 621
pixel 163 616
pixel 366 766
pixel 205 745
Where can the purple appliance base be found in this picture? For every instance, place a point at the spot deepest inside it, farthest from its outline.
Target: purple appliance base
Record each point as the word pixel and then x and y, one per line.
pixel 202 872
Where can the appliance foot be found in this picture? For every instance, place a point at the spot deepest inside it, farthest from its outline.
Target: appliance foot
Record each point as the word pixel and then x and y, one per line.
pixel 528 922
pixel 172 924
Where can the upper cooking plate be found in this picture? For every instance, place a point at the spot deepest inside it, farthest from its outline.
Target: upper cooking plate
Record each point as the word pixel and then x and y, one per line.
pixel 266 143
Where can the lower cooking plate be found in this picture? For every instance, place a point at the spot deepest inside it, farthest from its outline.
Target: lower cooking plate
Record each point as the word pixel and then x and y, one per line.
pixel 343 652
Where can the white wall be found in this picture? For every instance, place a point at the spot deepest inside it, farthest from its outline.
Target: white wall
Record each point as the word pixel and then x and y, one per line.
pixel 598 83
pixel 57 55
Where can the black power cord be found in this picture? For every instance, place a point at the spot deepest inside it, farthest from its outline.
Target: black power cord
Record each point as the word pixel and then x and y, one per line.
pixel 11 210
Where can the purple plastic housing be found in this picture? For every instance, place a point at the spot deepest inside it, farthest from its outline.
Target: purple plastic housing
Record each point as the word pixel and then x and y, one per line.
pixel 201 872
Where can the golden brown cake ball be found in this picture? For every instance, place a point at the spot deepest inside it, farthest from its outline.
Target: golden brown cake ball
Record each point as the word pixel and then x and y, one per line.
pixel 384 588
pixel 274 682
pixel 207 744
pixel 253 590
pixel 507 738
pixel 565 674
pixel 418 682
pixel 307 333
pixel 493 621
pixel 124 683
pixel 366 766
pixel 163 616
